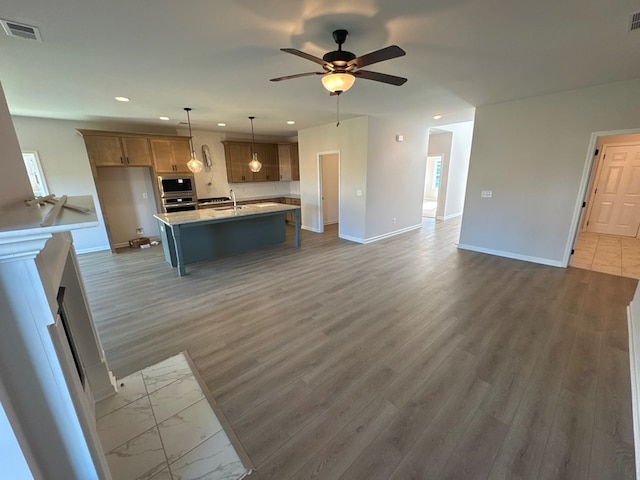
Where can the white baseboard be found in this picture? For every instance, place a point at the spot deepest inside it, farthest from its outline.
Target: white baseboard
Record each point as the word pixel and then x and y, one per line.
pixel 311 229
pixel 515 256
pixel 448 217
pixel 92 249
pixel 381 237
pixel 635 383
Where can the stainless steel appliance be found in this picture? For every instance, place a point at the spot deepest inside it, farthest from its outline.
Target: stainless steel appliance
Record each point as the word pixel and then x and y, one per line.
pixel 177 193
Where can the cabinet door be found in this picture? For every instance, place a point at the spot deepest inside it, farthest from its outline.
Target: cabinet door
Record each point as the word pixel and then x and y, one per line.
pixel 137 151
pixel 181 151
pixel 270 163
pixel 104 151
pixel 237 157
pixel 295 162
pixel 162 155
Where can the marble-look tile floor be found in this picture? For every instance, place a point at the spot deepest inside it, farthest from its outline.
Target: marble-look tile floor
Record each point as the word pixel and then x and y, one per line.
pixel 161 426
pixel 608 254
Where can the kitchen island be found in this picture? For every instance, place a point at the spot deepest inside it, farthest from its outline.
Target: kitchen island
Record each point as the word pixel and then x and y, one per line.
pixel 205 234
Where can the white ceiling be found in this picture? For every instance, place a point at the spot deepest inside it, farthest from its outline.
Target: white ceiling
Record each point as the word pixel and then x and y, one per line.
pixel 217 56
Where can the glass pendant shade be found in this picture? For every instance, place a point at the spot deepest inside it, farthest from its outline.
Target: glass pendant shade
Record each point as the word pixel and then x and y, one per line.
pixel 193 164
pixel 338 82
pixel 254 165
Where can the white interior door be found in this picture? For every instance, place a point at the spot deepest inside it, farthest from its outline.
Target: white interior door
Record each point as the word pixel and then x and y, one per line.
pixel 330 185
pixel 615 208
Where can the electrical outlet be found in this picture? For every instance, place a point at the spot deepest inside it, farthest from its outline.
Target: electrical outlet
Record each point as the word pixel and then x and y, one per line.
pixel 144 195
pixel 139 231
pixel 394 220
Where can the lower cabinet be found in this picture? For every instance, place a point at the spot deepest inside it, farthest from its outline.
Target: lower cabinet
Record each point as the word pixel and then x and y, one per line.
pixel 289 216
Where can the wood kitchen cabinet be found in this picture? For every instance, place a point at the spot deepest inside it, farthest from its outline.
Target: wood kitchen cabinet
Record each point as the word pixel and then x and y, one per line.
pixel 171 155
pixel 238 154
pixel 289 161
pixel 289 216
pixel 117 151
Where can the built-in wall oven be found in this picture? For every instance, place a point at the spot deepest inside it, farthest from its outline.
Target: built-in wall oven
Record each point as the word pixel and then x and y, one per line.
pixel 177 193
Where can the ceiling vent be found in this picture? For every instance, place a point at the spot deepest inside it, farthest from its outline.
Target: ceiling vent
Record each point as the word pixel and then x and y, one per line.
pixel 634 24
pixel 14 29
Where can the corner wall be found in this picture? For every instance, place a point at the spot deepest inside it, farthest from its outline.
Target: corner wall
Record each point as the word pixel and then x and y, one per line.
pixel 532 154
pixel 350 140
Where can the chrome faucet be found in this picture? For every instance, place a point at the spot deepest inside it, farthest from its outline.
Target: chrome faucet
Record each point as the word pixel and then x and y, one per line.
pixel 232 194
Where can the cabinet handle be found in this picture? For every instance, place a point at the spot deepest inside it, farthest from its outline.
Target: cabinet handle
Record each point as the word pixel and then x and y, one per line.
pixel 121 160
pixel 127 159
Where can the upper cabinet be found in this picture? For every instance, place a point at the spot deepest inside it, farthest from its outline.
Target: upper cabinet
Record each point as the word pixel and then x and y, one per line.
pixel 238 154
pixel 119 151
pixel 289 161
pixel 171 155
pixel 167 154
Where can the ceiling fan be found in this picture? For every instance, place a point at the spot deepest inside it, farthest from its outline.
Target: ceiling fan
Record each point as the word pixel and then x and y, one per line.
pixel 341 68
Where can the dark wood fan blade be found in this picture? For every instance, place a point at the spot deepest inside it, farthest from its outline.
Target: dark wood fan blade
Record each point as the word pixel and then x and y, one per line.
pixel 298 75
pixel 380 77
pixel 386 53
pixel 298 53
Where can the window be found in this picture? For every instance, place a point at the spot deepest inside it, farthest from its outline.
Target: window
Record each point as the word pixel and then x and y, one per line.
pixel 36 177
pixel 436 173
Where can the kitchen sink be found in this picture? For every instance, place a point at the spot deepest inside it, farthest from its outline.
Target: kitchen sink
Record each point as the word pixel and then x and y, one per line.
pixel 229 208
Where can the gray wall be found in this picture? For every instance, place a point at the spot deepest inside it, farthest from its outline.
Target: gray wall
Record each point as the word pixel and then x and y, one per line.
pixel 533 155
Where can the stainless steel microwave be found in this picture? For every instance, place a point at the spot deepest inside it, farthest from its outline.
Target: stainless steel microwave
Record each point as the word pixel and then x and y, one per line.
pixel 176 185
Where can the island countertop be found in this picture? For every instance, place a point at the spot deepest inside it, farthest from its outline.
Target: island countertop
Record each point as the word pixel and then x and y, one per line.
pixel 222 213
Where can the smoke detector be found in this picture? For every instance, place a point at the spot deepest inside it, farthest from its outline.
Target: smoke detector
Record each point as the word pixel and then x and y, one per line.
pixel 21 30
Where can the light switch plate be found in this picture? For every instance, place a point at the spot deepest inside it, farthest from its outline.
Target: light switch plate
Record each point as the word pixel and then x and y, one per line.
pixel 486 193
pixel 358 193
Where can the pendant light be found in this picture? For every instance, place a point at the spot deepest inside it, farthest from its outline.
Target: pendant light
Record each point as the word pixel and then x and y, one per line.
pixel 254 165
pixel 193 164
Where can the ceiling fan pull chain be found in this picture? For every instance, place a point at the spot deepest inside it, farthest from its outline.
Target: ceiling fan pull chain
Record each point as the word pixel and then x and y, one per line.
pixel 338 110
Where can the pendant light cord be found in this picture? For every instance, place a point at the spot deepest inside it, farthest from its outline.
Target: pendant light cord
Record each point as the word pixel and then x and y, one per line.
pixel 253 139
pixel 193 152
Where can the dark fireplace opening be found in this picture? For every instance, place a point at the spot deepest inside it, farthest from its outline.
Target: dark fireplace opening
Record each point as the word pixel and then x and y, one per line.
pixel 67 331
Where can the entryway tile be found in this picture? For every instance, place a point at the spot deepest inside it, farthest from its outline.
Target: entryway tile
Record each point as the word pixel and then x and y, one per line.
pixel 130 388
pixel 125 423
pixel 188 429
pixel 175 397
pixel 139 458
pixel 165 372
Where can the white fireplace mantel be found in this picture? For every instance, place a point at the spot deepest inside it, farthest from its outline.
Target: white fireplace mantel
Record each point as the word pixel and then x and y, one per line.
pixel 51 412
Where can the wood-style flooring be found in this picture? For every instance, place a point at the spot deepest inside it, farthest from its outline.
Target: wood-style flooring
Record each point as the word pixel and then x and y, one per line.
pixel 402 359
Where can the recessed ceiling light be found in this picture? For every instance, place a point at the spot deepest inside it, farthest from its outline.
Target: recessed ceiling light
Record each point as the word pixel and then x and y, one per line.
pixel 290 122
pixel 122 99
pixel 222 124
pixel 437 117
pixel 165 118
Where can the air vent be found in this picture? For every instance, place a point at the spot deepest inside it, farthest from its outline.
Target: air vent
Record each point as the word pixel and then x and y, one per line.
pixel 14 29
pixel 634 24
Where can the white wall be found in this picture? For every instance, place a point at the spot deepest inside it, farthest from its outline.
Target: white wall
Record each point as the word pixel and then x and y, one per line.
pixel 533 154
pixel 12 459
pixel 14 182
pixel 395 177
pixel 350 140
pixel 458 167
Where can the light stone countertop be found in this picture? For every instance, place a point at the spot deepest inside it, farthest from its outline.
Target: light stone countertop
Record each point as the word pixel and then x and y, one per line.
pixel 211 215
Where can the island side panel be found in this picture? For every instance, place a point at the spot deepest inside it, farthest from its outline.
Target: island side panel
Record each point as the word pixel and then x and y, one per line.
pixel 214 240
pixel 166 239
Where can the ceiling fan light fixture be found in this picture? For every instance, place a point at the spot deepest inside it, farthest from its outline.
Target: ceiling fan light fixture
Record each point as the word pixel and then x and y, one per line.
pixel 193 164
pixel 338 82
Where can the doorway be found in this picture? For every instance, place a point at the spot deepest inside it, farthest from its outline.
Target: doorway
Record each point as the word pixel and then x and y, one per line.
pixel 329 179
pixel 433 174
pixel 608 235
